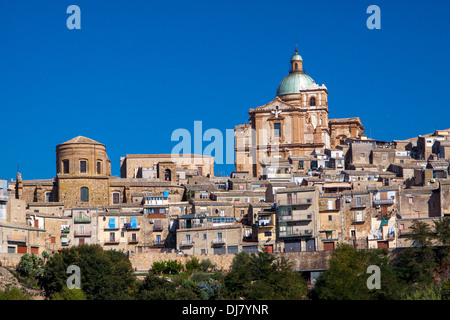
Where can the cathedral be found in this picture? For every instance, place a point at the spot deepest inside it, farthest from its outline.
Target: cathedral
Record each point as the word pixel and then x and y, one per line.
pixel 295 123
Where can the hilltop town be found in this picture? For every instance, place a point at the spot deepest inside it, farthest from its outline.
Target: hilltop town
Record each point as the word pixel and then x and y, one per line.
pixel 311 183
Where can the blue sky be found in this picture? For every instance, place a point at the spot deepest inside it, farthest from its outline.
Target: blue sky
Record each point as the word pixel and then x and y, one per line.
pixel 137 70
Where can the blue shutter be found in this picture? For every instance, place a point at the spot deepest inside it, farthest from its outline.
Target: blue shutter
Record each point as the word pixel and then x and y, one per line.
pixel 112 222
pixel 133 222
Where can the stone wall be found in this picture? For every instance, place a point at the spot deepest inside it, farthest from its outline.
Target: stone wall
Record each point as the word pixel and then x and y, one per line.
pixel 302 261
pixel 10 259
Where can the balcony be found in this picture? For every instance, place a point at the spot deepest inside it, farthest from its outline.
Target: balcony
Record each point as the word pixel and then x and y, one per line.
pixel 82 220
pixel 187 243
pixel 218 242
pixel 158 227
pixel 129 226
pixel 359 219
pixel 132 239
pixel 65 230
pixel 111 227
pixel 404 232
pixel 296 217
pixel 3 197
pixel 82 233
pixel 383 202
pixel 265 223
pixel 112 241
pixel 299 233
pixel 294 202
pixel 17 238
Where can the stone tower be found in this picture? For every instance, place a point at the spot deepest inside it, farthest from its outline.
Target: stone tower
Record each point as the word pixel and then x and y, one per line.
pixel 83 171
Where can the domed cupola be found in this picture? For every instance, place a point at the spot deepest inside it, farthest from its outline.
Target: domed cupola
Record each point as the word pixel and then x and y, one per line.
pixel 296 79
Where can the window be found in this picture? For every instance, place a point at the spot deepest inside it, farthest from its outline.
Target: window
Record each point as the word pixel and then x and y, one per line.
pixel 330 217
pixel 84 194
pixel 99 167
pixel 112 223
pixel 222 213
pixel 411 200
pixel 267 233
pixel 314 164
pixel 65 166
pixel 204 236
pixel 296 66
pixel 83 166
pixel 219 235
pixel 312 101
pixel 112 236
pixel 358 201
pixel 48 197
pixel 300 164
pixel 277 129
pixel 158 239
pixel 363 155
pixel 116 197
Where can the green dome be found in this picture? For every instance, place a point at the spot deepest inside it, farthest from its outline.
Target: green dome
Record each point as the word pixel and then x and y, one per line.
pixel 296 57
pixel 296 78
pixel 293 82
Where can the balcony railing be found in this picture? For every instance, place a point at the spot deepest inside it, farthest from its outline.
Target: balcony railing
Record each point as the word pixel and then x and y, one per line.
pixel 82 220
pixel 300 201
pixel 296 217
pixel 133 239
pixel 404 232
pixel 300 233
pixel 383 202
pixel 82 233
pixel 187 243
pixel 358 219
pixel 17 238
pixel 217 242
pixel 129 226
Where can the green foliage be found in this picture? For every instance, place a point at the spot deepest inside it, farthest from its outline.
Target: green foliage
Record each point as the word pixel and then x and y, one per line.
pixel 30 266
pixel 207 265
pixel 167 267
pixel 105 275
pixel 262 276
pixel 68 294
pixel 446 290
pixel 199 276
pixel 346 277
pixel 210 289
pixel 421 234
pixel 192 265
pixel 14 294
pixel 156 288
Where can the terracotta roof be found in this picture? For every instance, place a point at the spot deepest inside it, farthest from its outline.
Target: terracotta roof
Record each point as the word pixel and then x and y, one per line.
pixel 81 139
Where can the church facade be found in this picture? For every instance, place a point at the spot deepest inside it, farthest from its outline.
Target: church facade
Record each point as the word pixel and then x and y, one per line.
pixel 295 123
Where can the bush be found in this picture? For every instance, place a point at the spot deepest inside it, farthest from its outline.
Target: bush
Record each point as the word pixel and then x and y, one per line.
pixel 68 294
pixel 206 265
pixel 192 265
pixel 30 266
pixel 14 294
pixel 168 267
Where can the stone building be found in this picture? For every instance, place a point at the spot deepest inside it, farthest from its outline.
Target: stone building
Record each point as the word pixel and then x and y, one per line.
pixel 294 123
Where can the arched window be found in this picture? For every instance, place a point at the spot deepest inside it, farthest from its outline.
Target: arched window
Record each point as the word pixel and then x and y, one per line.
pixel 83 166
pixel 312 101
pixel 99 167
pixel 65 166
pixel 167 175
pixel 84 194
pixel 296 66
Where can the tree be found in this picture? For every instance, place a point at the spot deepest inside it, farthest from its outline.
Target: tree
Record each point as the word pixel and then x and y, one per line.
pixel 30 266
pixel 68 294
pixel 346 278
pixel 105 275
pixel 263 276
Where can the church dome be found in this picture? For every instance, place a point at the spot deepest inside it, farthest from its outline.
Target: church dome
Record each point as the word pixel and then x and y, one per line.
pixel 296 79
